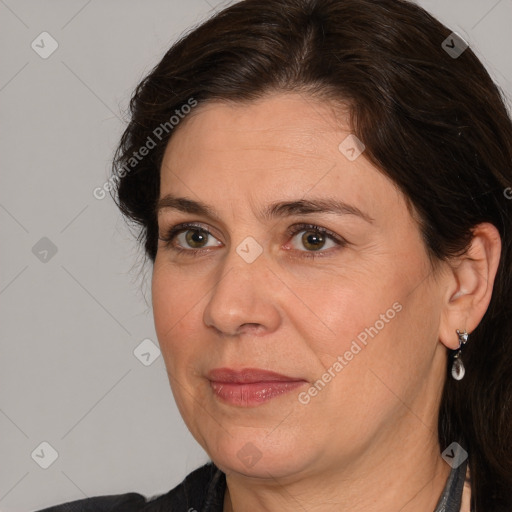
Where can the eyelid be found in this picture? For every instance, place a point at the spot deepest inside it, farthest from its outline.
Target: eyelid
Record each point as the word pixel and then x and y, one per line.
pixel 297 228
pixel 184 226
pixel 292 231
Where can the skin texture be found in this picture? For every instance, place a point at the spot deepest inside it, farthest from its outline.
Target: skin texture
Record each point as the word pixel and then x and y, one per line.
pixel 368 440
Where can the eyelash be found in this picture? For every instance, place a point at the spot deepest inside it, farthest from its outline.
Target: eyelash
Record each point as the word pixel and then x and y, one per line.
pixel 291 232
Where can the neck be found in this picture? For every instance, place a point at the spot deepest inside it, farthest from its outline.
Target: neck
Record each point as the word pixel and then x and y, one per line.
pixel 402 473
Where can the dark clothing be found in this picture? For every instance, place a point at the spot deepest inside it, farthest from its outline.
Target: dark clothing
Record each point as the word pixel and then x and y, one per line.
pixel 203 491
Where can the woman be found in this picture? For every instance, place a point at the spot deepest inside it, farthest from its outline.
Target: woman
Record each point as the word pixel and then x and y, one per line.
pixel 321 187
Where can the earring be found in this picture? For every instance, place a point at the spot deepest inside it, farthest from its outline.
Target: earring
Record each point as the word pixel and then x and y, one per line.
pixel 458 369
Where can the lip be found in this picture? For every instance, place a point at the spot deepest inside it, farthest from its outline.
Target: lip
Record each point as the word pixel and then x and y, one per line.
pixel 250 387
pixel 248 375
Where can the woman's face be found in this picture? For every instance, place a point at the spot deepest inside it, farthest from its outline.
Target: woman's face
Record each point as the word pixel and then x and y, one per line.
pixel 349 320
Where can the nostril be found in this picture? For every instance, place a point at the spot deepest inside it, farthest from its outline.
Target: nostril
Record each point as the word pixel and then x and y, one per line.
pixel 250 327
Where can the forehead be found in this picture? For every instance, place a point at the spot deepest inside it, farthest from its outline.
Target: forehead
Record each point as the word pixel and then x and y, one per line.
pixel 284 121
pixel 279 147
pixel 278 137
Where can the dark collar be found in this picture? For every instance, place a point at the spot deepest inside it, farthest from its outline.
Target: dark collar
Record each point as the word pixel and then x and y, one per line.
pixel 451 497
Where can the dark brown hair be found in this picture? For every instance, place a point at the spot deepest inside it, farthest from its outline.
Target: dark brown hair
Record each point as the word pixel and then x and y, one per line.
pixel 436 125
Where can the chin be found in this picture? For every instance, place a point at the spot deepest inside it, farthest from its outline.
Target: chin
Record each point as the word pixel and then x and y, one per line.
pixel 260 456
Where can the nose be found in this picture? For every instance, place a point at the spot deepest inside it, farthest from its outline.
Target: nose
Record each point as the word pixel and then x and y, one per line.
pixel 245 298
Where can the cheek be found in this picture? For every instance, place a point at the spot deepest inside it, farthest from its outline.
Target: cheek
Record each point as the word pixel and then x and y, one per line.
pixel 346 307
pixel 373 318
pixel 175 301
pixel 176 309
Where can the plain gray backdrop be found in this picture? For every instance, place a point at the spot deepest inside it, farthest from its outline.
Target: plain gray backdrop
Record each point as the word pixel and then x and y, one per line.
pixel 75 306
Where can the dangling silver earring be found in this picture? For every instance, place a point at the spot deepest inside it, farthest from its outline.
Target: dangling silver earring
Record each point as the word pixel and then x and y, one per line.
pixel 458 369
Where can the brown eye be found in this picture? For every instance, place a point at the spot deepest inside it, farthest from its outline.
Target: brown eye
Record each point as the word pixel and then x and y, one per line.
pixel 189 238
pixel 312 240
pixel 196 238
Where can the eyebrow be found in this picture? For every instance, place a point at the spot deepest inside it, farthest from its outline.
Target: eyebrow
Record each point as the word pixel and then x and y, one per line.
pixel 273 210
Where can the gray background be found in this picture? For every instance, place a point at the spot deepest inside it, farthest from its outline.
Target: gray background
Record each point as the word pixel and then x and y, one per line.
pixel 70 321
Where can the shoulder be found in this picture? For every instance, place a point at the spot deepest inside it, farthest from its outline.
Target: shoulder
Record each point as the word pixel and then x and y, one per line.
pixel 129 502
pixel 204 486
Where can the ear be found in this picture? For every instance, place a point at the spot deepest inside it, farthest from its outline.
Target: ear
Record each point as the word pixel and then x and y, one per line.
pixel 470 283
